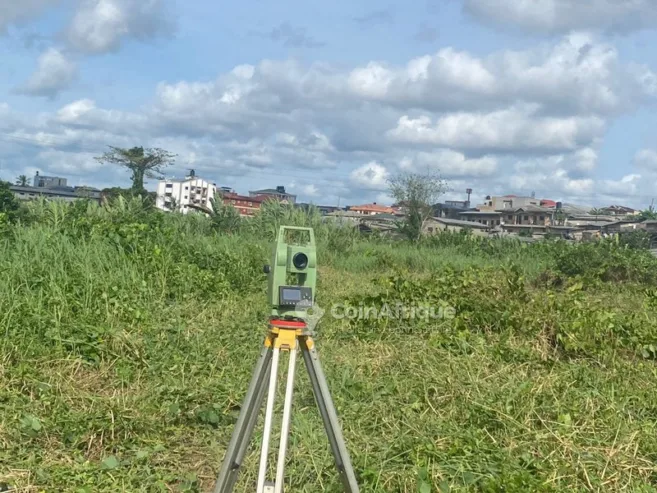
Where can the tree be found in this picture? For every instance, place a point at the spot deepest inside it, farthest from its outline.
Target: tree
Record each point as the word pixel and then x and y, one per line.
pixel 22 181
pixel 648 214
pixel 9 205
pixel 418 192
pixel 596 212
pixel 142 163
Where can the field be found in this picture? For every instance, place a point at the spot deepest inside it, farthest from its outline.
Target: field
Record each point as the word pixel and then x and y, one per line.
pixel 129 337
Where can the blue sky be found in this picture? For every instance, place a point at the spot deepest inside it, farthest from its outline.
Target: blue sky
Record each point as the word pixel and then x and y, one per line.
pixel 329 99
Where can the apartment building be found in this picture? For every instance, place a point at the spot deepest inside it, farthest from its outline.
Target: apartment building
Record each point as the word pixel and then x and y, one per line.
pixel 181 194
pixel 246 206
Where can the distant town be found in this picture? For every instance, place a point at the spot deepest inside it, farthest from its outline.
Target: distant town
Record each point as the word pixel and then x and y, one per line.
pixel 526 217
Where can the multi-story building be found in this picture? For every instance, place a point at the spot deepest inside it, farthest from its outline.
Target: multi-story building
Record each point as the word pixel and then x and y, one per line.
pixel 494 203
pixel 180 194
pixel 277 193
pixel 41 181
pixel 246 206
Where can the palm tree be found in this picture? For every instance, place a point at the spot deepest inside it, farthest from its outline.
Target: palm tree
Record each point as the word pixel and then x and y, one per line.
pixel 22 181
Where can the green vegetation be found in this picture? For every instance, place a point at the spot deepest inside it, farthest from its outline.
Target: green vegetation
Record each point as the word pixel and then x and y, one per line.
pixel 416 192
pixel 141 163
pixel 129 337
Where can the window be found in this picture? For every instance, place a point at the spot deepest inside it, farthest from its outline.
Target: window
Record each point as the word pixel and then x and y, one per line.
pixel 541 218
pixel 430 230
pixel 185 197
pixel 510 217
pixel 498 222
pixel 169 185
pixel 485 222
pixel 186 188
pixel 526 218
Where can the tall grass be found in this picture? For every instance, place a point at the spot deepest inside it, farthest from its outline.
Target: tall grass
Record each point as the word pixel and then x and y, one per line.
pixel 129 337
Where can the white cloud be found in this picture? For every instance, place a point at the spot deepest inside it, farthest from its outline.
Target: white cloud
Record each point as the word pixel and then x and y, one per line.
pixel 310 190
pixel 100 26
pixel 370 176
pixel 515 129
pixel 450 164
pixel 554 16
pixel 68 163
pixel 54 73
pixel 17 11
pixel 578 73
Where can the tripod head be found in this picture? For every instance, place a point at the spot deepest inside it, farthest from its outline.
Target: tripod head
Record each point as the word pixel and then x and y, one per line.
pixel 292 273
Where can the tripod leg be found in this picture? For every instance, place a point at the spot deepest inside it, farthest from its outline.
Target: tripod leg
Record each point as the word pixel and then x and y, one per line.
pixel 329 415
pixel 245 424
pixel 285 428
pixel 269 412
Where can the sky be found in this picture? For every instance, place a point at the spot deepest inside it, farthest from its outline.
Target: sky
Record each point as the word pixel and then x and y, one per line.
pixel 330 99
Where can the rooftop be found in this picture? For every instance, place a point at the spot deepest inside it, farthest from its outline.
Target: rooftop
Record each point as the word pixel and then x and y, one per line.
pixel 481 213
pixel 372 208
pixel 527 208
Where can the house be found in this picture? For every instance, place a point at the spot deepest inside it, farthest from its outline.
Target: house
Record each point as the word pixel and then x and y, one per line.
pixel 277 193
pixel 529 214
pixel 323 209
pixel 41 181
pixel 65 193
pixel 344 217
pixel 488 218
pixel 175 194
pixel 649 225
pixel 370 209
pixel 451 208
pixel 439 224
pixel 246 206
pixel 506 202
pixel 619 210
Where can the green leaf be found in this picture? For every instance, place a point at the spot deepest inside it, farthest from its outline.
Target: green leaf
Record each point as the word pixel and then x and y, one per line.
pixel 141 454
pixel 425 488
pixel 110 462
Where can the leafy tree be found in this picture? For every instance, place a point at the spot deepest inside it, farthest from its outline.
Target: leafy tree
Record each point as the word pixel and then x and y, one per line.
pixel 649 214
pixel 141 162
pixel 22 181
pixel 596 212
pixel 9 205
pixel 417 191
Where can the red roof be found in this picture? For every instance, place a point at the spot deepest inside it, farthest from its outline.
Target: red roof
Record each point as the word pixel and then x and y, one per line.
pixel 548 203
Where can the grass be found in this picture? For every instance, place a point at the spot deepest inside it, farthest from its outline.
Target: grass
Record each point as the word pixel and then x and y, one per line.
pixel 129 339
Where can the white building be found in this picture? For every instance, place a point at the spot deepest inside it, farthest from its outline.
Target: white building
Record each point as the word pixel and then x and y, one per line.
pixel 180 194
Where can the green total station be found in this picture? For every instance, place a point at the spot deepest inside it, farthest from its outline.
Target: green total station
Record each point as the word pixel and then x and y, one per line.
pixel 292 273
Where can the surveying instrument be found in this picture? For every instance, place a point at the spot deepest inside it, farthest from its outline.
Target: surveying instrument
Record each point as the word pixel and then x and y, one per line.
pixel 288 331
